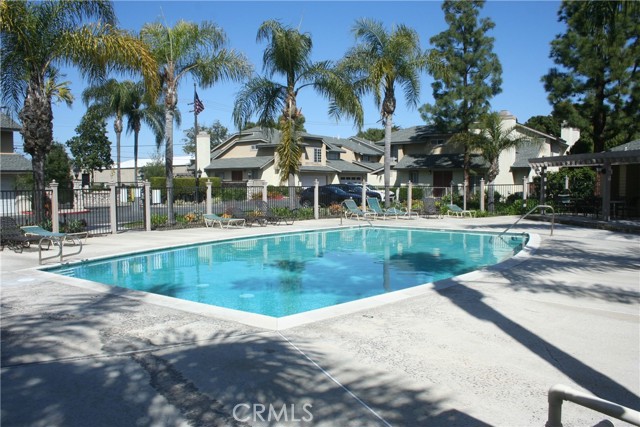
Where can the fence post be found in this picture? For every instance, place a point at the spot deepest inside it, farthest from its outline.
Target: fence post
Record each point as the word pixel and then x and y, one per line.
pixel 147 205
pixel 363 196
pixel 409 196
pixel 78 196
pixel 209 201
pixel 525 190
pixel 464 195
pixel 265 194
pixel 55 215
pixel 113 208
pixel 316 211
pixel 481 194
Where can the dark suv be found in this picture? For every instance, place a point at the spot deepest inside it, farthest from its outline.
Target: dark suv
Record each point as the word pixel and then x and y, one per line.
pixel 327 194
pixel 357 189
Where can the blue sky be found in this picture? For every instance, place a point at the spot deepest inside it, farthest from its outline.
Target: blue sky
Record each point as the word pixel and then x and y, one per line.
pixel 522 35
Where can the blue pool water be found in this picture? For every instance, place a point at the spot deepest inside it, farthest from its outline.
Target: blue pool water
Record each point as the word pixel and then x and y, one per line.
pixel 284 274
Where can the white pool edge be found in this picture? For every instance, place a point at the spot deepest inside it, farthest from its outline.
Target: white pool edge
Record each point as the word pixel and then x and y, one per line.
pixel 287 322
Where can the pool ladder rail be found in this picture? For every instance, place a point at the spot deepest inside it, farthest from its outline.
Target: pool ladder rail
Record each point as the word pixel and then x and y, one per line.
pixel 541 207
pixel 559 393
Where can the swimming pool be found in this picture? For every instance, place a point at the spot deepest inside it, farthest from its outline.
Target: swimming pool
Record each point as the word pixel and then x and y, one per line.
pixel 285 274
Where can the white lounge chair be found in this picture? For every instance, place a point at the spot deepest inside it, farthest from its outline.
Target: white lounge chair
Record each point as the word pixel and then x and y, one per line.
pixel 210 220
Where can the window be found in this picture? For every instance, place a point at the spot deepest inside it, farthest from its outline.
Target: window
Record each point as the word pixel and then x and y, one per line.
pixel 254 148
pixel 317 155
pixel 438 141
pixel 394 152
pixel 333 156
pixel 414 176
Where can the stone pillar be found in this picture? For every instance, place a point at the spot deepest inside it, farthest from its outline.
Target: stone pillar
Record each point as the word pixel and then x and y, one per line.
pixel 464 195
pixel 55 214
pixel 78 197
pixel 316 211
pixel 147 205
pixel 113 216
pixel 265 192
pixel 409 197
pixel 209 198
pixel 481 194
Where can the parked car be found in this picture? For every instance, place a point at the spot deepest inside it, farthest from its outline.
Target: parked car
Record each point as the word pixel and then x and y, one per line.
pixel 357 189
pixel 327 194
pixel 370 189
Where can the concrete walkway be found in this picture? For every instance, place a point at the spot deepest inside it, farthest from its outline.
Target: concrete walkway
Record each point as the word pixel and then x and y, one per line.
pixel 482 352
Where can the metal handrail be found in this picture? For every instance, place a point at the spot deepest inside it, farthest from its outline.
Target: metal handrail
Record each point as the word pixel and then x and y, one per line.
pixel 559 393
pixel 553 218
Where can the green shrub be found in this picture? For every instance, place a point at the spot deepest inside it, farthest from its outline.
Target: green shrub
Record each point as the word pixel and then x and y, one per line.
pixel 158 220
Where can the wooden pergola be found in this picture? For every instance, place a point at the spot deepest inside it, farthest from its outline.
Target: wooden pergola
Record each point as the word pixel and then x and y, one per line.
pixel 602 161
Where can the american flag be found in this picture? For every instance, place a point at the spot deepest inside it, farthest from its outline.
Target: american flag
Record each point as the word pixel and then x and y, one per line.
pixel 198 106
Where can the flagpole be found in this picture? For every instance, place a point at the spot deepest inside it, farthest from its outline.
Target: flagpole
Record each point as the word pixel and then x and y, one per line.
pixel 195 128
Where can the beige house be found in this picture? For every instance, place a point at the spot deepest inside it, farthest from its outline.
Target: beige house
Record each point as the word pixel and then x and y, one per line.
pixel 250 156
pixel 425 156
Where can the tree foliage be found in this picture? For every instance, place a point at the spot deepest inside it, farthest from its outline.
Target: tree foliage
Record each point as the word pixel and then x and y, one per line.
pixel 90 148
pixel 595 86
pixel 217 135
pixel 58 166
pixel 37 38
pixel 382 60
pixel 288 55
pixel 474 74
pixel 189 49
pixel 546 124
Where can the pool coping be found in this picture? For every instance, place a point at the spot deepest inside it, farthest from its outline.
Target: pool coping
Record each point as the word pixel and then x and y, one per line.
pixel 299 319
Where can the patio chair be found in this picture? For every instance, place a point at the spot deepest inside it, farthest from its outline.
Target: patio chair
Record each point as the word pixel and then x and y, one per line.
pixel 354 210
pixel 429 207
pixel 13 236
pixel 210 220
pixel 374 204
pixel 249 218
pixel 455 210
pixel 276 218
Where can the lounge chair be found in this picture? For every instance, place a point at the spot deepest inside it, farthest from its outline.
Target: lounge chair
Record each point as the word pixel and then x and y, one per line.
pixel 455 210
pixel 276 218
pixel 374 204
pixel 210 220
pixel 55 238
pixel 354 210
pixel 429 207
pixel 13 236
pixel 249 218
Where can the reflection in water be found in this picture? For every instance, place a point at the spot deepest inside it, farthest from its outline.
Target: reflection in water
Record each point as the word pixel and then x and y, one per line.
pixel 291 273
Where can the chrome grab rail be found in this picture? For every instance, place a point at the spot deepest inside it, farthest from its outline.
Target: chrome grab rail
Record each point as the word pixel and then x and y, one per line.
pixel 59 241
pixel 553 218
pixel 559 393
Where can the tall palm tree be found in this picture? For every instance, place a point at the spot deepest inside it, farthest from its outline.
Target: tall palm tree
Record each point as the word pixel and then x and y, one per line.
pixel 112 99
pixel 197 50
pixel 288 54
pixel 36 38
pixel 142 109
pixel 492 140
pixel 378 62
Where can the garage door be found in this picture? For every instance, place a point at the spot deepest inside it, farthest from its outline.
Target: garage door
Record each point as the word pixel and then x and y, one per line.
pixel 309 180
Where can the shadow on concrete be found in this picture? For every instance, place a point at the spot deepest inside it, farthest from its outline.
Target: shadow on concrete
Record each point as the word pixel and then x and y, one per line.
pixel 103 360
pixel 597 383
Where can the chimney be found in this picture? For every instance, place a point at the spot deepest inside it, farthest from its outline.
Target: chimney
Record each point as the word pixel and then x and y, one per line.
pixel 569 134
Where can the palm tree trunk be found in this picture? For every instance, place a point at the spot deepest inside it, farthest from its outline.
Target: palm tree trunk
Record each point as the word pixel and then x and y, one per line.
pixel 169 164
pixel 117 127
pixel 388 124
pixel 135 156
pixel 38 139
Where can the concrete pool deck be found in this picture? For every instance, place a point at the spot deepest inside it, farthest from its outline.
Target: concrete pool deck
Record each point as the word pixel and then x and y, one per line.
pixel 483 351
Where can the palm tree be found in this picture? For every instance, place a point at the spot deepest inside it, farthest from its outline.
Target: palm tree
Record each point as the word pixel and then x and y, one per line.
pixel 288 54
pixel 36 38
pixel 378 62
pixel 143 110
pixel 111 99
pixel 197 50
pixel 492 140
